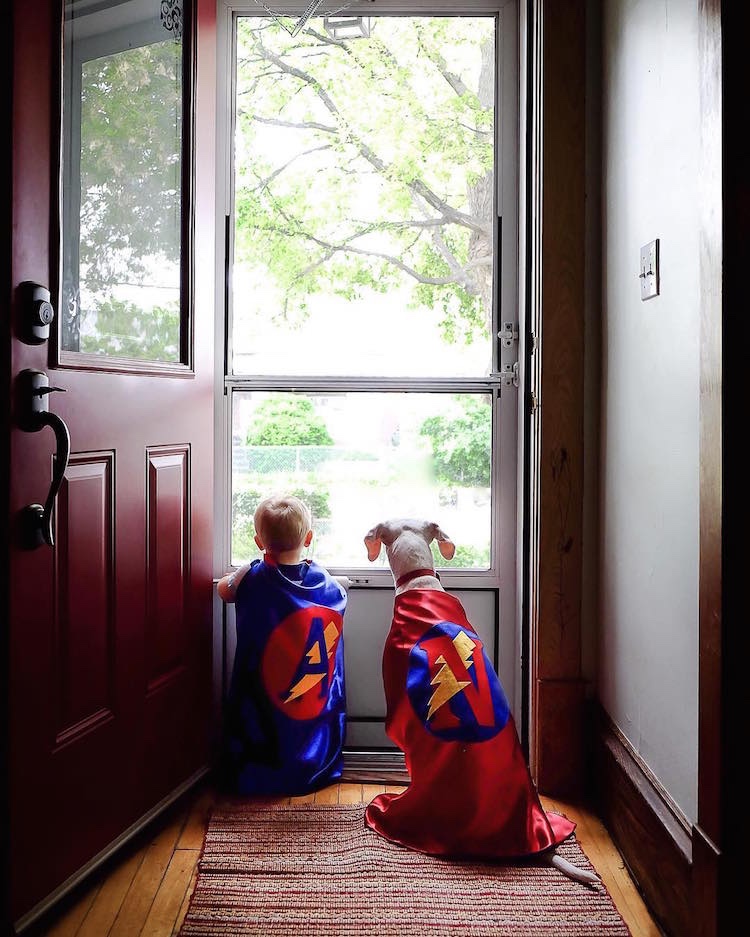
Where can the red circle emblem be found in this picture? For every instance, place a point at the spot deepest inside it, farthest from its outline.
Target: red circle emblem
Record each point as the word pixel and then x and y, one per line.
pixel 298 661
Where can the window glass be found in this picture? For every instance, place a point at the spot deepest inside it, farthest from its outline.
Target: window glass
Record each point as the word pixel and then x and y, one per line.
pixel 364 198
pixel 122 170
pixel 358 458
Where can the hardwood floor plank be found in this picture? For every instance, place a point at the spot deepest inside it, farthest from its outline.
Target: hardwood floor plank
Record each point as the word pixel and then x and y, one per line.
pixel 68 920
pixel 327 795
pixel 195 825
pixel 596 843
pixel 350 793
pixel 168 899
pixel 611 866
pixel 137 904
pixel 186 900
pixel 302 799
pixel 106 906
pixel 371 790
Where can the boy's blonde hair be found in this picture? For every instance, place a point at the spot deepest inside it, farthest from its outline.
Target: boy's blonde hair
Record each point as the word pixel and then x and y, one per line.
pixel 282 521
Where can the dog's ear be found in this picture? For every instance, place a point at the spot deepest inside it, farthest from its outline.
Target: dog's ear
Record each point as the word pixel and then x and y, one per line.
pixel 446 546
pixel 373 543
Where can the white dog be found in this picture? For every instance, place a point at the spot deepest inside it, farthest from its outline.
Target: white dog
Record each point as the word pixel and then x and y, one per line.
pixel 433 716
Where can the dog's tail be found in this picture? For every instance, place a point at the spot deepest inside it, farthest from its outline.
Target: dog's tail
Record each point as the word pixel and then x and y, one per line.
pixel 572 871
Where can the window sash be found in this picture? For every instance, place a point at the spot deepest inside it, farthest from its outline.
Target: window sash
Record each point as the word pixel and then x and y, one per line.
pixel 505 299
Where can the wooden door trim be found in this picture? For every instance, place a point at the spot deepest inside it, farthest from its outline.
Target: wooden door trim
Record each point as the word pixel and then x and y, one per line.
pixel 555 365
pixel 708 833
pixel 720 834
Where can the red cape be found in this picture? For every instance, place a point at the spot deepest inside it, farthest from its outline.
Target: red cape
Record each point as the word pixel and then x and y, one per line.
pixel 471 793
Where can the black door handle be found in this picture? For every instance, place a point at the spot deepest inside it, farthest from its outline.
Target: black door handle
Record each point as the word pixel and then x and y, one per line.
pixel 34 416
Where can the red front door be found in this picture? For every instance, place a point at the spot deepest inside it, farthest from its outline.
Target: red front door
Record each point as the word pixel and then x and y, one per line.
pixel 110 627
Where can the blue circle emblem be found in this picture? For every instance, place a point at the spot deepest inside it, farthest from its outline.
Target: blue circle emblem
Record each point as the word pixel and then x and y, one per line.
pixel 453 686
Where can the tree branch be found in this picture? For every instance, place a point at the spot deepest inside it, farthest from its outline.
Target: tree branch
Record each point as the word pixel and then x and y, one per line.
pixel 346 247
pixel 459 270
pixel 455 81
pixel 264 183
pixel 302 125
pixel 416 186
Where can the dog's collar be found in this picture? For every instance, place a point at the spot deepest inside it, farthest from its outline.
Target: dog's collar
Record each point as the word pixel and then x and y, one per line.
pixel 407 577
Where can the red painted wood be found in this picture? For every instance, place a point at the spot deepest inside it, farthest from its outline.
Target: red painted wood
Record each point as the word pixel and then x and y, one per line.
pixel 168 561
pixel 92 746
pixel 83 600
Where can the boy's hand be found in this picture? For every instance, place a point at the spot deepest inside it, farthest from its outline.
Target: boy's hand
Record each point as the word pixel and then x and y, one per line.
pixel 227 586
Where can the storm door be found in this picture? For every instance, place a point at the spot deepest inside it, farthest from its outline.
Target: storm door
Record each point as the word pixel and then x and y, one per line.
pixel 370 225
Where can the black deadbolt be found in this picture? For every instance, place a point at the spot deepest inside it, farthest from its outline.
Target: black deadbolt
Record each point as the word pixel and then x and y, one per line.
pixel 38 313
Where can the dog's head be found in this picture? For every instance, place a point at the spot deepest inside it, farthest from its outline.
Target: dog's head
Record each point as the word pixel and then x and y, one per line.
pixel 407 544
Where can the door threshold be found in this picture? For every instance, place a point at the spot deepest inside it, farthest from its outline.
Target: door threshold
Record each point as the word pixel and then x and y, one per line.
pixel 363 766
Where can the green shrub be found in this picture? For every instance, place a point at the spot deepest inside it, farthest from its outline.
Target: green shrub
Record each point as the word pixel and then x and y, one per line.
pixel 287 420
pixel 461 445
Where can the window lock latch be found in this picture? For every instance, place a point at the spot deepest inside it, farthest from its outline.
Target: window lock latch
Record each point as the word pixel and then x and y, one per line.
pixel 509 375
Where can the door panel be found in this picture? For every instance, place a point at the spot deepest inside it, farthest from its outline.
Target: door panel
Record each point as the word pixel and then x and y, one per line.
pixel 168 563
pixel 110 628
pixel 84 600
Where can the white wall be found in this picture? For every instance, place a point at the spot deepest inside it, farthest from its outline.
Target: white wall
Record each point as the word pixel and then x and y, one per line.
pixel 647 670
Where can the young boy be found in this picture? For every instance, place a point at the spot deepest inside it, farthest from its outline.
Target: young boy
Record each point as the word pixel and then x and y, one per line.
pixel 286 709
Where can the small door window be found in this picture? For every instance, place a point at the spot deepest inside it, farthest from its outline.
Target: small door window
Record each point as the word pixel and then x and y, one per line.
pixel 123 237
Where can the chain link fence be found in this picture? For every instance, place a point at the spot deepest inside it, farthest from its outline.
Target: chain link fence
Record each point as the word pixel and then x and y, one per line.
pixel 272 459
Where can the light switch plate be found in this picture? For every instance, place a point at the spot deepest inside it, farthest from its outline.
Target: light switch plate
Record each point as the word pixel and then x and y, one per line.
pixel 649 275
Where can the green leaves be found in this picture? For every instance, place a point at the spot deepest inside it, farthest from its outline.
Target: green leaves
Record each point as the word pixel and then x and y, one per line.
pixel 287 420
pixel 130 159
pixel 461 442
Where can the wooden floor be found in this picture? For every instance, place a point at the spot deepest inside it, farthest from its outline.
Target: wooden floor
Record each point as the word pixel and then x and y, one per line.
pixel 145 892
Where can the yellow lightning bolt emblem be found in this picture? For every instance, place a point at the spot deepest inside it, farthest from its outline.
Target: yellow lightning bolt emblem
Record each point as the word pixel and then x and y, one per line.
pixel 310 680
pixel 445 680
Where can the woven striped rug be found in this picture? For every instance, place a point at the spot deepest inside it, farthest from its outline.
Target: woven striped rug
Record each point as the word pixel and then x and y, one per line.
pixel 316 869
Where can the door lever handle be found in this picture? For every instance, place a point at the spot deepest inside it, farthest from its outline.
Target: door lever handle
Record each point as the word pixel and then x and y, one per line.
pixel 34 391
pixel 40 518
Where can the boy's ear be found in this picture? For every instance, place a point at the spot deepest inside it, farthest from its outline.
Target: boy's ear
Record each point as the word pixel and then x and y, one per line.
pixel 373 543
pixel 308 539
pixel 259 543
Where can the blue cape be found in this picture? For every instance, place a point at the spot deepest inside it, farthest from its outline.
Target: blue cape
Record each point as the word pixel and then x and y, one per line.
pixel 286 710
